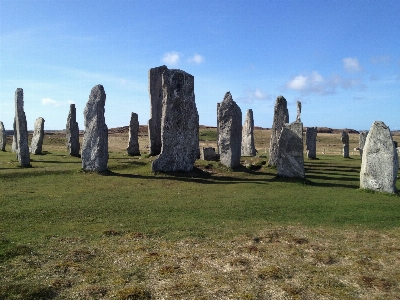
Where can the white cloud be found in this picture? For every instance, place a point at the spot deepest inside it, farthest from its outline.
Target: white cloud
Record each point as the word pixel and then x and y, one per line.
pixel 381 60
pixel 251 95
pixel 55 103
pixel 351 64
pixel 172 58
pixel 196 59
pixel 317 84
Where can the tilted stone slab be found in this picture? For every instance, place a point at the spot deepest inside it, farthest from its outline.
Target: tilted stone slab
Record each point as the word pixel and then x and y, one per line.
pixel 95 138
pixel 21 130
pixel 3 137
pixel 38 136
pixel 281 117
pixel 248 148
pixel 180 124
pixel 72 133
pixel 380 165
pixel 311 142
pixel 290 151
pixel 229 132
pixel 133 144
pixel 345 141
pixel 156 108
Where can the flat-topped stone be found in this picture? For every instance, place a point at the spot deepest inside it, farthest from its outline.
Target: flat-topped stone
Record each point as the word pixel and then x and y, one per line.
pixel 345 141
pixel 179 124
pixel 311 142
pixel 133 144
pixel 72 133
pixel 248 148
pixel 38 136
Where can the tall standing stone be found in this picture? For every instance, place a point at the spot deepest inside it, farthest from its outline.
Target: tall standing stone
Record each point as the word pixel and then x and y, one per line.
pixel 380 165
pixel 248 148
pixel 21 130
pixel 361 143
pixel 311 142
pixel 3 137
pixel 179 124
pixel 229 132
pixel 281 117
pixel 345 141
pixel 290 151
pixel 156 108
pixel 72 132
pixel 14 139
pixel 38 136
pixel 95 138
pixel 298 118
pixel 133 144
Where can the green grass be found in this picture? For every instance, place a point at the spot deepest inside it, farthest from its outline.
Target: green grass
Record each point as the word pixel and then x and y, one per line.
pixel 117 234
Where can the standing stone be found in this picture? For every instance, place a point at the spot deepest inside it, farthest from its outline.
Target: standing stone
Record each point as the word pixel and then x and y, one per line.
pixel 133 145
pixel 179 124
pixel 208 154
pixel 298 119
pixel 21 130
pixel 281 117
pixel 72 132
pixel 156 108
pixel 361 143
pixel 311 142
pixel 38 136
pixel 248 148
pixel 229 132
pixel 345 141
pixel 14 140
pixel 95 138
pixel 3 137
pixel 379 166
pixel 290 151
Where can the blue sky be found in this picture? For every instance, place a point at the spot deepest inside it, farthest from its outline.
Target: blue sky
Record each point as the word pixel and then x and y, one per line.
pixel 341 59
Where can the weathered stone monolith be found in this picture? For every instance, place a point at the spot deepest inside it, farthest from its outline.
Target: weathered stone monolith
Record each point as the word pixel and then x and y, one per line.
pixel 229 132
pixel 290 151
pixel 21 130
pixel 3 137
pixel 38 136
pixel 156 109
pixel 361 143
pixel 95 138
pixel 208 154
pixel 72 133
pixel 311 142
pixel 281 117
pixel 14 140
pixel 248 148
pixel 298 118
pixel 179 124
pixel 380 165
pixel 345 141
pixel 133 145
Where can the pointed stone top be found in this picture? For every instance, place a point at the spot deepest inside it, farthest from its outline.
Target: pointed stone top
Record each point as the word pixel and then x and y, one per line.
pixel 280 98
pixel 228 96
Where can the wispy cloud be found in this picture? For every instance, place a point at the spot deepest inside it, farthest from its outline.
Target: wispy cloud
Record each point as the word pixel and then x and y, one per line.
pixel 351 64
pixel 317 84
pixel 55 103
pixel 251 95
pixel 196 59
pixel 172 58
pixel 380 60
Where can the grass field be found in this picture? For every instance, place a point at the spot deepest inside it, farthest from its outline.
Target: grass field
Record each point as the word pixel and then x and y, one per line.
pixel 213 233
